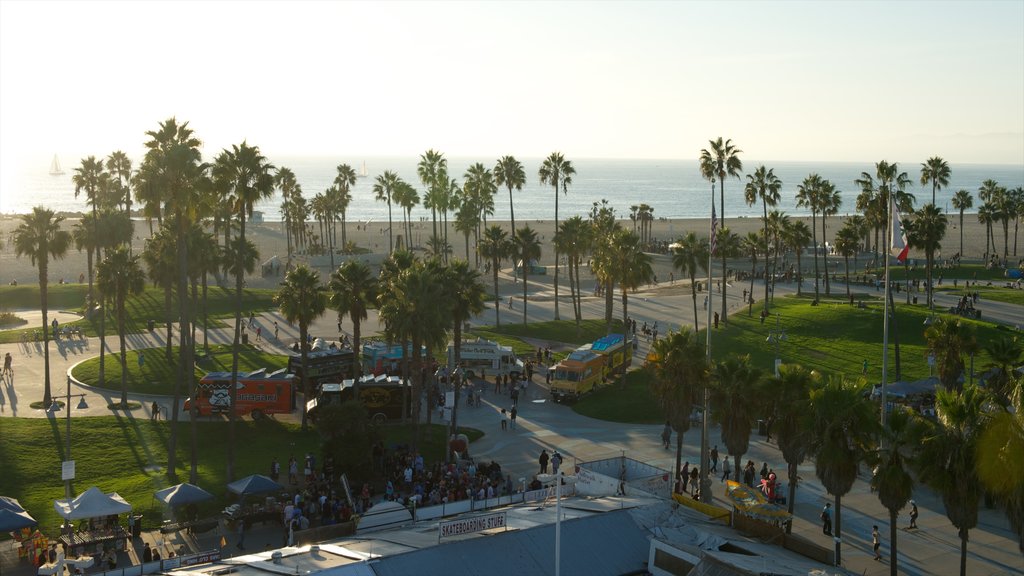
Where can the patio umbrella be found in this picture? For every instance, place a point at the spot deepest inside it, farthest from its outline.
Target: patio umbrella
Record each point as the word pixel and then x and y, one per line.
pixel 182 494
pixel 255 484
pixel 13 516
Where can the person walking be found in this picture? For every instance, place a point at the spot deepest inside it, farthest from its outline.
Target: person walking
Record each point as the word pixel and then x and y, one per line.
pixel 275 330
pixel 826 519
pixel 155 414
pixel 556 461
pixel 504 423
pixel 512 416
pixel 241 534
pixel 259 333
pixel 913 514
pixel 544 461
pixel 714 459
pixel 8 369
pixel 876 542
pixel 726 470
pixel 685 473
pixel 666 435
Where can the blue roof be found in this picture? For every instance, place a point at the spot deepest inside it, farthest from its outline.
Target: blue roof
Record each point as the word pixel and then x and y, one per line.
pixel 606 342
pixel 581 355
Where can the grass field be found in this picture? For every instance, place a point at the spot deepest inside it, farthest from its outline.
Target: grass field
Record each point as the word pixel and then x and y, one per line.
pixel 564 331
pixel 124 455
pixel 138 310
pixel 631 403
pixel 157 375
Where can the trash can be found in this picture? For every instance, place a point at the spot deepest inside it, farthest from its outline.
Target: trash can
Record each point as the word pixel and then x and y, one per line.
pixel 245 338
pixel 151 325
pixel 762 428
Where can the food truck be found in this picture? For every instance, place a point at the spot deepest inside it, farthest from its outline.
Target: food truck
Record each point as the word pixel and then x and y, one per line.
pixel 378 357
pixel 618 353
pixel 579 373
pixel 258 393
pixel 325 365
pixel 483 357
pixel 381 395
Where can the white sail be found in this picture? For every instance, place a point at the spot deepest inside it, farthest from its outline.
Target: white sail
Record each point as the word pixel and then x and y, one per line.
pixel 362 171
pixel 55 169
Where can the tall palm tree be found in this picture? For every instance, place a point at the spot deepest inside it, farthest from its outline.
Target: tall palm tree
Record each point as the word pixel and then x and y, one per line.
pixel 39 236
pixel 120 277
pixel 407 197
pixel 431 165
pixel 778 221
pixel 525 249
pixel 680 370
pixel 556 171
pixel 353 289
pixel 751 245
pixel 465 293
pixel 763 185
pixel 947 457
pixel 829 201
pixel 345 179
pixel 573 239
pixel 892 477
pixel 383 188
pixel 160 256
pixel 92 179
pixel 244 177
pixel 302 301
pixel 632 270
pixel 689 257
pixel 734 402
pixel 173 163
pixel 721 161
pixel 807 197
pixel 85 234
pixel 926 232
pixel 495 247
pixel 467 221
pixel 790 392
pixel 285 181
pixel 843 424
pixel 846 243
pixel 602 227
pixel 509 172
pixel 949 339
pixel 936 171
pixel 1005 353
pixel 119 166
pixel 797 236
pixel 1000 467
pixel 727 245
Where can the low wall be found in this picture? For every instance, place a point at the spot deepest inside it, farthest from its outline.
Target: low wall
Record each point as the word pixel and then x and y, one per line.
pixel 805 547
pixel 716 513
pixel 322 533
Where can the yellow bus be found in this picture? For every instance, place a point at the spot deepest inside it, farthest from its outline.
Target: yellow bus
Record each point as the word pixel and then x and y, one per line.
pixel 579 373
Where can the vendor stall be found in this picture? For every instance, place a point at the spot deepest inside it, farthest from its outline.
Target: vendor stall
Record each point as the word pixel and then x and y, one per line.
pixel 98 528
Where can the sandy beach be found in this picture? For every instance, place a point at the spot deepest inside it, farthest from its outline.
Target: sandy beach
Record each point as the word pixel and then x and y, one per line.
pixel 270 239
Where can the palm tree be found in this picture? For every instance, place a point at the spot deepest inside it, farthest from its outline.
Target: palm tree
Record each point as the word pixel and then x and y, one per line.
pixel 557 171
pixel 829 201
pixel 602 227
pixel 790 392
pixel 244 177
pixel 763 184
pixel 383 188
pixel 465 294
pixel 688 257
pixel 962 200
pixel 86 237
pixel 947 457
pixel 734 402
pixel 353 289
pixel 926 232
pixel 285 181
pixel 1000 467
pixel 301 301
pixel 807 197
pixel 119 166
pixel 936 171
pixel 632 270
pixel 1005 353
pixel 495 247
pixel 680 368
pixel 160 256
pixel 949 339
pixel 120 277
pixel 467 220
pixel 525 249
pixel 721 161
pixel 752 247
pixel 842 425
pixel 727 245
pixel 407 197
pixel 432 163
pixel 344 180
pixel 509 172
pixel 797 235
pixel 573 238
pixel 39 236
pixel 846 243
pixel 892 478
pixel 92 180
pixel 778 221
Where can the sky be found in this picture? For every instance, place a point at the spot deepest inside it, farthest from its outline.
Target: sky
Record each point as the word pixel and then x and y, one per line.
pixel 788 81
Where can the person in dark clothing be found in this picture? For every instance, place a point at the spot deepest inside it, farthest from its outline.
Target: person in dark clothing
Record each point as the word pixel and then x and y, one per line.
pixel 544 461
pixel 826 519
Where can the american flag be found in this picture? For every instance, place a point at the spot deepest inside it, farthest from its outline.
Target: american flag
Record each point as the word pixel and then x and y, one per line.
pixel 714 226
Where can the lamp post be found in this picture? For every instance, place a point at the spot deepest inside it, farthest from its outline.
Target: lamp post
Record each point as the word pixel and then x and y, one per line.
pixel 68 470
pixel 777 335
pixel 558 480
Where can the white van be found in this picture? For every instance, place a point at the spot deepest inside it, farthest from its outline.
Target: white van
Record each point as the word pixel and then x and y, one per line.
pixel 486 358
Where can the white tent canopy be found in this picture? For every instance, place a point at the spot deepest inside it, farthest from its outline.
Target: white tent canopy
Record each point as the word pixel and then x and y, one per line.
pixel 92 503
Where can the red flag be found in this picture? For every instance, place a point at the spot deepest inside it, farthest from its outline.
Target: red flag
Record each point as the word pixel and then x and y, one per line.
pixel 899 247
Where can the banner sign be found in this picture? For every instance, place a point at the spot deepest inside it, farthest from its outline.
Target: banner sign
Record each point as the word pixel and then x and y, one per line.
pixel 471 525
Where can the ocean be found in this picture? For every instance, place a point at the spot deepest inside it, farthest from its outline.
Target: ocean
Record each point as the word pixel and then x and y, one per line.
pixel 673 188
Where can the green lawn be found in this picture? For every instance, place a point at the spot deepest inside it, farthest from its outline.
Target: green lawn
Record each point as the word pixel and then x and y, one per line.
pixel 997 292
pixel 138 310
pixel 963 272
pixel 157 375
pixel 121 454
pixel 631 403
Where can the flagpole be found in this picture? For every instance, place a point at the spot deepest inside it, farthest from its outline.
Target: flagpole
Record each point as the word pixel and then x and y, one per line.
pixel 705 483
pixel 885 316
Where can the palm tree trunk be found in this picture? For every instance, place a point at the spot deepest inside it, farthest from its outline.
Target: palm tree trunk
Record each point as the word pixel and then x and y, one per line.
pixel 206 324
pixel 824 235
pixel 693 293
pixel 961 234
pixel 103 341
pixel 609 300
pixel 47 397
pixel 894 330
pixel 526 274
pixel 753 272
pixel 725 283
pixel 893 564
pixel 767 249
pixel 170 321
pixel 849 297
pixel 814 228
pixel 556 252
pixel 963 552
pixel 799 274
pixel 124 361
pixel 512 208
pixel 391 240
pixel 791 501
pixel 234 356
pixel 839 530
pixel 497 299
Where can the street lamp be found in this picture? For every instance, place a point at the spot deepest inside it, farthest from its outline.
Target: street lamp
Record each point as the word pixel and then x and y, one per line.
pixel 68 468
pixel 558 479
pixel 777 336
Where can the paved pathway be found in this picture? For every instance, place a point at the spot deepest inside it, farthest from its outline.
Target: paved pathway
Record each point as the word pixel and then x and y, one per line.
pixel 933 549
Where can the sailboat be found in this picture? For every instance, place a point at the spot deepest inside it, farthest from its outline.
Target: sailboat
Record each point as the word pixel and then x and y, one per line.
pixel 55 169
pixel 362 171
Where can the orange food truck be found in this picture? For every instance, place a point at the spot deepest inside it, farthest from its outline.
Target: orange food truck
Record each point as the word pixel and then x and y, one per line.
pixel 258 393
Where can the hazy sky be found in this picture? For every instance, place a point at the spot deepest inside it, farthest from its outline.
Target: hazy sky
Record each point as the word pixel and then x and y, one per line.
pixel 857 81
